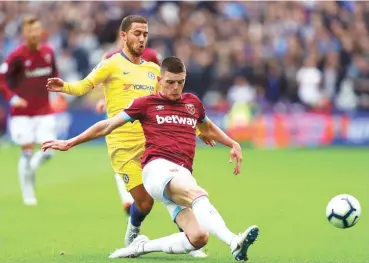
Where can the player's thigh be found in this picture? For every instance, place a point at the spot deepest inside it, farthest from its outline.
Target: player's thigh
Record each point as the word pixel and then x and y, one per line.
pixel 132 177
pixel 158 173
pixel 22 130
pixel 183 189
pixel 131 173
pixel 126 160
pixel 45 128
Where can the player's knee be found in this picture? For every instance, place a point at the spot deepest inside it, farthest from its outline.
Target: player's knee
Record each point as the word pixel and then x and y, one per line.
pixel 27 147
pixel 144 202
pixel 194 192
pixel 145 206
pixel 27 151
pixel 199 238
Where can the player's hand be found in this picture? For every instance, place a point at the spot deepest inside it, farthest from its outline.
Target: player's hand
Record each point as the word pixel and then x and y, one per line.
pixel 207 140
pixel 55 84
pixel 18 102
pixel 236 153
pixel 101 106
pixel 60 145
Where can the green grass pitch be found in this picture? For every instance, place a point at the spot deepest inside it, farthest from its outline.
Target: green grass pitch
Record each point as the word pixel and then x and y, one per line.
pixel 285 192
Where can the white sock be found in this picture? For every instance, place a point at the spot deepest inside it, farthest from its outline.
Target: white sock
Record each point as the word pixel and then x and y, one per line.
pixel 209 218
pixel 39 158
pixel 26 176
pixel 174 244
pixel 123 193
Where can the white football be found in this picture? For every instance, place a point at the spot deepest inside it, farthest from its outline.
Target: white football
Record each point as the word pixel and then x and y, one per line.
pixel 343 211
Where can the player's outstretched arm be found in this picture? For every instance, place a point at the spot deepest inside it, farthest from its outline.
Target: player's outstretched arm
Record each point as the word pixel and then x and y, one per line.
pixel 78 88
pixel 99 129
pixel 98 75
pixel 210 130
pixel 205 139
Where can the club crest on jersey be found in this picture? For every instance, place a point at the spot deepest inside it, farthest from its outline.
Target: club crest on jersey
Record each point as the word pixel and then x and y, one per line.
pixel 126 86
pixel 190 108
pixel 27 63
pixel 47 58
pixel 151 75
pixel 160 107
pixel 126 178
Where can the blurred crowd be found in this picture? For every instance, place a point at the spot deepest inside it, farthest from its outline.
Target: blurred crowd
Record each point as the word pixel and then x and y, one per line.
pixel 272 55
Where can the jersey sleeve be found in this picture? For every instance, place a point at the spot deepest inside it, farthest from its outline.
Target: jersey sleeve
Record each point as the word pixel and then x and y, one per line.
pixel 136 110
pixel 55 72
pixel 8 71
pixel 202 112
pixel 97 76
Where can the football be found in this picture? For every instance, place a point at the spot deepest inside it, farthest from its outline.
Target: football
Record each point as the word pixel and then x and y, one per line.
pixel 343 211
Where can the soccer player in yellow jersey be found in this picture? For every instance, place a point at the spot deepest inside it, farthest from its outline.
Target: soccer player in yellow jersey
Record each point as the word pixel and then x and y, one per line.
pixel 124 76
pixel 149 55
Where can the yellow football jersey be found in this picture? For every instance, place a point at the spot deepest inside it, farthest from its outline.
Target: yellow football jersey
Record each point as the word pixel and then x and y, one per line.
pixel 123 81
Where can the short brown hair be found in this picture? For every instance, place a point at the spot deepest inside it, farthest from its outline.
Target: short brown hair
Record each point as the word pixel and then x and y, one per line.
pixel 173 65
pixel 29 20
pixel 129 20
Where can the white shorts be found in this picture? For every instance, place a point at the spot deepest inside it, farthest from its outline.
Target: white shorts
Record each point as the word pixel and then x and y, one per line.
pixel 157 174
pixel 32 130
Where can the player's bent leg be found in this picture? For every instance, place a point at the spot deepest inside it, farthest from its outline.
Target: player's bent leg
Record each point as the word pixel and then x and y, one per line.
pixel 142 205
pixel 22 133
pixel 176 212
pixel 183 190
pixel 197 253
pixel 167 181
pixel 132 177
pixel 187 221
pixel 179 243
pixel 138 212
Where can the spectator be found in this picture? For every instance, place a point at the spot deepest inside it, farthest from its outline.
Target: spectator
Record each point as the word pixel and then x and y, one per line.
pixel 241 91
pixel 309 79
pixel 359 73
pixel 330 75
pixel 219 42
pixel 275 83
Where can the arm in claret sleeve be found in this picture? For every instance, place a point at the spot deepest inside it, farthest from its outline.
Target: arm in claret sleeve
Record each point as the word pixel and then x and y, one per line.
pixel 8 69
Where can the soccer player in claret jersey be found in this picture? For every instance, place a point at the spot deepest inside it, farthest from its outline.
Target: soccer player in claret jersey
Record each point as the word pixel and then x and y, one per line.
pixel 22 82
pixel 124 77
pixel 169 120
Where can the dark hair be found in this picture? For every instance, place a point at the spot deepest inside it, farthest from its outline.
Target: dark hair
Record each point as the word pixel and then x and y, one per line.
pixel 129 20
pixel 173 65
pixel 29 20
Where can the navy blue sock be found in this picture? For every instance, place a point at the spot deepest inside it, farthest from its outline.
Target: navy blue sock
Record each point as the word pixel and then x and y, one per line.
pixel 137 217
